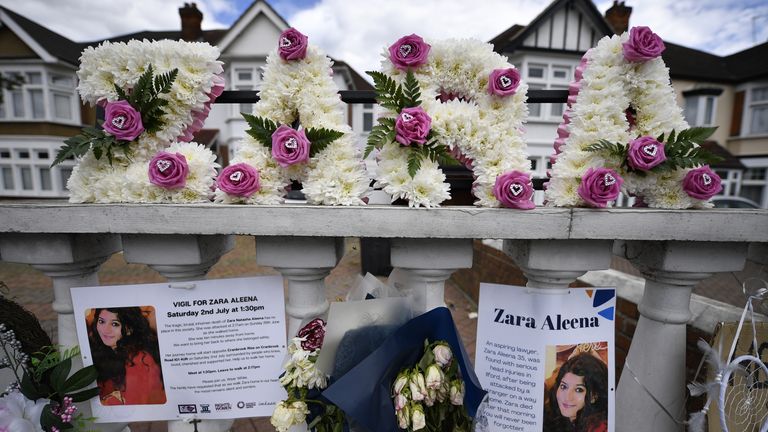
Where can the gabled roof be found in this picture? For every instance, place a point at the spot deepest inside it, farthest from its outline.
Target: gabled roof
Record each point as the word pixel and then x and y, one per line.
pixel 516 34
pixel 729 160
pixel 211 36
pixel 48 44
pixel 689 63
pixel 257 7
pixel 358 81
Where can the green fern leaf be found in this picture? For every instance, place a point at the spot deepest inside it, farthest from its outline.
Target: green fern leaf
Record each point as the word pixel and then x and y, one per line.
pixel 414 162
pixel 411 91
pixel 261 129
pixel 320 138
pixel 164 82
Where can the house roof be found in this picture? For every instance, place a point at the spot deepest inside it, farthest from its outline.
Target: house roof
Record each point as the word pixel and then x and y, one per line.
pixel 53 43
pixel 210 36
pixel 729 160
pixel 513 37
pixel 358 81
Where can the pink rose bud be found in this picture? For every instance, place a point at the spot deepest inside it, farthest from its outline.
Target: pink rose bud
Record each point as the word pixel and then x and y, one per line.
pixel 292 45
pixel 443 355
pixel 313 334
pixel 412 126
pixel 702 183
pixel 239 180
pixel 645 153
pixel 503 82
pixel 409 52
pixel 513 189
pixel 643 45
pixel 599 186
pixel 289 146
pixel 122 121
pixel 168 170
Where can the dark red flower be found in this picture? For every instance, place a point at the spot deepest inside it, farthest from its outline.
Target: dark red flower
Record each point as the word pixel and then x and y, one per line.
pixel 313 334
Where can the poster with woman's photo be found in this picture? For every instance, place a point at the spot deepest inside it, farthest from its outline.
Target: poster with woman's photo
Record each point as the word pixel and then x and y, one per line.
pixel 546 358
pixel 198 349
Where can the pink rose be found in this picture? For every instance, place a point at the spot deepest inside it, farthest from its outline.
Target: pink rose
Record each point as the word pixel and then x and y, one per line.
pixel 122 121
pixel 409 52
pixel 643 45
pixel 239 179
pixel 600 185
pixel 645 153
pixel 292 45
pixel 289 146
pixel 313 334
pixel 503 82
pixel 513 189
pixel 168 170
pixel 412 126
pixel 702 183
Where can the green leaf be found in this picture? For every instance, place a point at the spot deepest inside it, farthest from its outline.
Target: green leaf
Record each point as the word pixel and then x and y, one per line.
pixel 29 389
pixel 388 93
pixel 164 82
pixel 80 379
pixel 411 91
pixel 120 93
pixel 414 162
pixel 320 138
pixel 142 91
pixel 613 149
pixel 261 129
pixel 671 137
pixel 59 375
pixel 84 395
pixel 683 150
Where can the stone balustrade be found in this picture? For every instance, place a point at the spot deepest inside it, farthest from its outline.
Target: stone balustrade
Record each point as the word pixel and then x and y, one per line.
pixel 673 249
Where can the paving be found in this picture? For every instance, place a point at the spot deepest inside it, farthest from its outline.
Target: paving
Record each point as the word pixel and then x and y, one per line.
pixel 33 290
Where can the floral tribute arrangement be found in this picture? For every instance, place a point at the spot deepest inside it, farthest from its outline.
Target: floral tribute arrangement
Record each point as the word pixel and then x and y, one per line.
pixel 43 394
pixel 321 153
pixel 623 131
pixel 450 100
pixel 431 392
pixel 155 96
pixel 411 383
pixel 303 381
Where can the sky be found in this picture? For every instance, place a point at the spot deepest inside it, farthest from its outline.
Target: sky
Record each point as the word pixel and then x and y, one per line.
pixel 357 31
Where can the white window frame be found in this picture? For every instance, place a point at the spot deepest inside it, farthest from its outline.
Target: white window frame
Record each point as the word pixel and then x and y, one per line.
pixel 235 83
pixel 48 89
pixel 547 82
pixel 701 110
pixel 751 105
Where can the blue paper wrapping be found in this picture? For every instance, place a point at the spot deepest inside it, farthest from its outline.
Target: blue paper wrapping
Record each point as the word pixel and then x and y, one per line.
pixel 364 393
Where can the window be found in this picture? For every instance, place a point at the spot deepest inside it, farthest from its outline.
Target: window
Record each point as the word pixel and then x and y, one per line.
pixel 758 107
pixel 367 117
pixel 40 95
pixel 244 77
pixel 534 109
pixel 537 71
pixel 753 185
pixel 7 178
pixel 699 110
pixel 557 109
pixel 561 73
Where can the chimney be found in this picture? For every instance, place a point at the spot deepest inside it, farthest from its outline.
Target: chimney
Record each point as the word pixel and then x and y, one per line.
pixel 191 20
pixel 618 17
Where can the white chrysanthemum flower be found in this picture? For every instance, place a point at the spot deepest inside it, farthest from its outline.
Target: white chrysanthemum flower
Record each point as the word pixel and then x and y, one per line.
pixel 608 86
pixel 125 178
pixel 304 90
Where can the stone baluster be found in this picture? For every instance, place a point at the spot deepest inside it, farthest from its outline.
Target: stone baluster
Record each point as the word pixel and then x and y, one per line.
pixel 304 263
pixel 554 264
pixel 428 263
pixel 179 258
pixel 70 260
pixel 655 363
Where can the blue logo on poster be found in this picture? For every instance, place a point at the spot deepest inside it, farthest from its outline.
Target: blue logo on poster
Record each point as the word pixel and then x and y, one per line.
pixel 601 297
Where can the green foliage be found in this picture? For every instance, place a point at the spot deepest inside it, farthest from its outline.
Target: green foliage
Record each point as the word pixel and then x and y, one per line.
pixel 388 93
pixel 411 91
pixel 613 149
pixel 144 98
pixel 261 128
pixel 320 138
pixel 682 149
pixel 381 134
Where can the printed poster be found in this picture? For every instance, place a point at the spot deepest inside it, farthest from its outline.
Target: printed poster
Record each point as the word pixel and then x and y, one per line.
pixel 546 358
pixel 205 349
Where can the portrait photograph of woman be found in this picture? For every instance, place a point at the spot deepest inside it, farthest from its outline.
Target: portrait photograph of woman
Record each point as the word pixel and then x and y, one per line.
pixel 576 390
pixel 126 354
